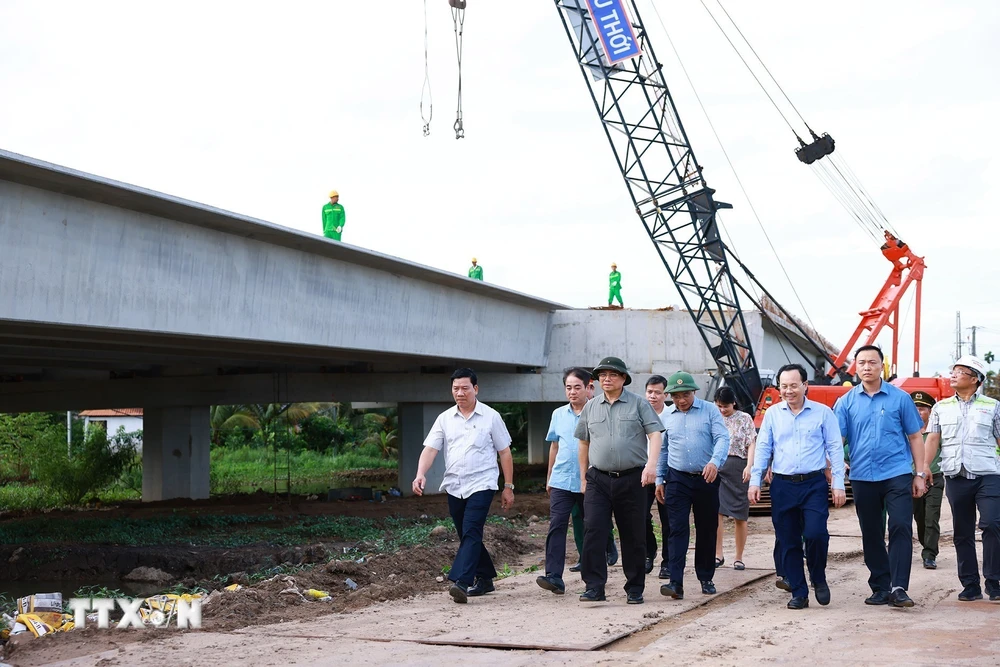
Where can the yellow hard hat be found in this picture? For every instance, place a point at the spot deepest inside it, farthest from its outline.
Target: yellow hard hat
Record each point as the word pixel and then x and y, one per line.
pixel 473 260
pixel 613 265
pixel 334 193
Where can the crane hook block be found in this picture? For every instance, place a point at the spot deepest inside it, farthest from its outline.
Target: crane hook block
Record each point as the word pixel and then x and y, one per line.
pixel 819 148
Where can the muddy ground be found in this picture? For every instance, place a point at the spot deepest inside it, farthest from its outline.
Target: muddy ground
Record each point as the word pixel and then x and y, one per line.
pixel 401 614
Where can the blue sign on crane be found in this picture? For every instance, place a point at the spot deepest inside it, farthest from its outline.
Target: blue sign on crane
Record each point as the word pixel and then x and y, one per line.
pixel 614 29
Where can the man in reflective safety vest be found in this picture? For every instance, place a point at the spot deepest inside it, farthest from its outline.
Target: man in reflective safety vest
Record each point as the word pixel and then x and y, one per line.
pixel 967 428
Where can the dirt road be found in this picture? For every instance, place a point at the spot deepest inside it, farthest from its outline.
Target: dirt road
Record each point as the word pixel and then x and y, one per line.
pixel 746 623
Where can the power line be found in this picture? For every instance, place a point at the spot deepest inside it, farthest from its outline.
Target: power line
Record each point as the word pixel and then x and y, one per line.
pixel 739 181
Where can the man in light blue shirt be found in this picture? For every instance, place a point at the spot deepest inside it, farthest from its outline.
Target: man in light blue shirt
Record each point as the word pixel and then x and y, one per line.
pixel 882 428
pixel 802 436
pixel 687 477
pixel 563 485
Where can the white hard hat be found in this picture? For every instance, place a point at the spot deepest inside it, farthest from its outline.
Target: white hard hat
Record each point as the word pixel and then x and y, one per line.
pixel 974 363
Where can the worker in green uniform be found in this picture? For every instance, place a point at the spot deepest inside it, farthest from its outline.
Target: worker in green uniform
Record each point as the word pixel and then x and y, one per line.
pixel 615 286
pixel 333 217
pixel 475 271
pixel 927 508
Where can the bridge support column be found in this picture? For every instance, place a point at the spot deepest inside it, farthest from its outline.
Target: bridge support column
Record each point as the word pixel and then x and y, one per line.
pixel 539 416
pixel 415 422
pixel 175 453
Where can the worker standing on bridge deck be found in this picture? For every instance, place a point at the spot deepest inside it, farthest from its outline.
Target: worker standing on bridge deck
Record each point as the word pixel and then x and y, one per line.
pixel 803 437
pixel 333 217
pixel 615 286
pixel 475 271
pixel 472 435
pixel 967 426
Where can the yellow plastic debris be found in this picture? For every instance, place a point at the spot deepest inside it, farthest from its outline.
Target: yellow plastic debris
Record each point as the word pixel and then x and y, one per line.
pixel 317 595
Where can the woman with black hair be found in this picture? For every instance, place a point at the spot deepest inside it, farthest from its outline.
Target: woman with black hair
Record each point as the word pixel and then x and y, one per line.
pixel 734 474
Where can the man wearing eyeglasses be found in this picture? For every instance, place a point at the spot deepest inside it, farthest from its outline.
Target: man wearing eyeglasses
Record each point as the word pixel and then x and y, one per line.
pixel 802 436
pixel 616 461
pixel 882 429
pixel 967 426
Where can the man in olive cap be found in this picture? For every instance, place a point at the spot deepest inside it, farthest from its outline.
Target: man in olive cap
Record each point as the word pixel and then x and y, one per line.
pixel 687 477
pixel 616 461
pixel 927 508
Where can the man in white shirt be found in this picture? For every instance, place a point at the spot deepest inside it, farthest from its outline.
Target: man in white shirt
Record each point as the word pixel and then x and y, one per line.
pixel 472 435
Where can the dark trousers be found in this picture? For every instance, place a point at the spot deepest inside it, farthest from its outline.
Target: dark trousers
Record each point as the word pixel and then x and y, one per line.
pixel 927 514
pixel 664 528
pixel 965 495
pixel 799 511
pixel 888 569
pixel 472 559
pixel 561 505
pixel 578 528
pixel 684 492
pixel 624 497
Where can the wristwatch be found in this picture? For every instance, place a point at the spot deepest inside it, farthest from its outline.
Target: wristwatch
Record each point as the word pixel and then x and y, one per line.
pixel 921 475
pixel 509 486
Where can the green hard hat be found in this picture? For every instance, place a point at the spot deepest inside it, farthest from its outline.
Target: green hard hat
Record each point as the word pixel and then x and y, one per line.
pixel 681 381
pixel 613 364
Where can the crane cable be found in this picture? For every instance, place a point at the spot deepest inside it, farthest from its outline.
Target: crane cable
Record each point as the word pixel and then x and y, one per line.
pixel 458 19
pixel 427 84
pixel 732 167
pixel 852 194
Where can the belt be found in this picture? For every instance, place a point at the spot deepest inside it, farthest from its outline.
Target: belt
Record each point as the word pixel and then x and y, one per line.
pixel 800 478
pixel 617 473
pixel 685 473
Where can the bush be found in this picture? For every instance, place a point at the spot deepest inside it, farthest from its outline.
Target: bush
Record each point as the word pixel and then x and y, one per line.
pixel 321 433
pixel 95 465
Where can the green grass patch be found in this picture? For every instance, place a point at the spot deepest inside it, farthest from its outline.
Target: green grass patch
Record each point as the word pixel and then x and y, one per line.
pixel 384 535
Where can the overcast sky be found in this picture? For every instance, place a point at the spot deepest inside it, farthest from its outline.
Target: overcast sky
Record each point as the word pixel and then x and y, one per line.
pixel 262 108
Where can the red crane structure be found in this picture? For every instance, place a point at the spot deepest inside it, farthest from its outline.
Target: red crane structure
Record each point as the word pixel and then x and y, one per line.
pixel 907 269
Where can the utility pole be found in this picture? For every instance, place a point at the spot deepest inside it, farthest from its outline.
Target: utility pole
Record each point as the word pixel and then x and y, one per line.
pixel 958 335
pixel 973 330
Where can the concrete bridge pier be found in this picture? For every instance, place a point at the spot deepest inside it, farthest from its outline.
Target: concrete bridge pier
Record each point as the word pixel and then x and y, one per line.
pixel 175 452
pixel 539 416
pixel 415 422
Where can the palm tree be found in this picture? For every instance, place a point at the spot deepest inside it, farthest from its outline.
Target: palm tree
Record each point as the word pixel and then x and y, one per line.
pixel 263 417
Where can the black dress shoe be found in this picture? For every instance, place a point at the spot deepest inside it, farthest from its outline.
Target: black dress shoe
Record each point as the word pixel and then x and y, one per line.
pixel 783 584
pixel 480 587
pixel 612 554
pixel 649 565
pixel 899 598
pixel 993 589
pixel 822 594
pixel 576 568
pixel 634 598
pixel 878 597
pixel 930 564
pixel 459 592
pixel 674 589
pixel 798 603
pixel 593 595
pixel 970 593
pixel 551 583
pixel 708 588
pixel 664 572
